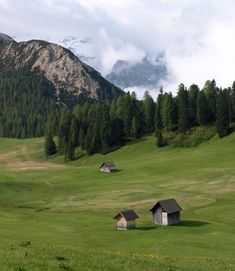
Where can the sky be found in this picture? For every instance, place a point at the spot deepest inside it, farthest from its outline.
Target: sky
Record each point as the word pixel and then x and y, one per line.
pixel 196 36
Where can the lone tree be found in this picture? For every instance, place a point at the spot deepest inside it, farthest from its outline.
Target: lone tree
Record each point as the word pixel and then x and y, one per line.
pixel 50 146
pixel 160 139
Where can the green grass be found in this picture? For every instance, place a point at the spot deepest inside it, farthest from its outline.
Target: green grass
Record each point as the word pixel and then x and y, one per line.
pixel 66 211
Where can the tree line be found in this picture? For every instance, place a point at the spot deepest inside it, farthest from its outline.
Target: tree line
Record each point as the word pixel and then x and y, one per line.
pixel 101 128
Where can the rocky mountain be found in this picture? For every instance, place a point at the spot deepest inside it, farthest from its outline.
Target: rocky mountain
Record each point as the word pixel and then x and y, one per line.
pixel 73 80
pixel 147 73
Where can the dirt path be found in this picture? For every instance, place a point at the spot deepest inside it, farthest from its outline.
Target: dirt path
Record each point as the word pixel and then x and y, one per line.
pixel 32 165
pixel 12 161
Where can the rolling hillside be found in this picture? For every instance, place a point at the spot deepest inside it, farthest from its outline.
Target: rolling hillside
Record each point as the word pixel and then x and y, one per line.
pixel 56 216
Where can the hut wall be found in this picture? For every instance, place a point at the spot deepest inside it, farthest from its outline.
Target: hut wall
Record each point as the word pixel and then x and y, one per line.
pixel 122 223
pixel 130 224
pixel 174 218
pixel 104 169
pixel 157 217
pixel 108 169
pixel 160 218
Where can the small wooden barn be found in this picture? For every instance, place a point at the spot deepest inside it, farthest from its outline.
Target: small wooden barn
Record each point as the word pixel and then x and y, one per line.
pixel 108 167
pixel 126 220
pixel 166 212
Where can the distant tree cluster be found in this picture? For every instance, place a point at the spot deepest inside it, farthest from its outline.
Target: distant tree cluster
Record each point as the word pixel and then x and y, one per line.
pixel 194 107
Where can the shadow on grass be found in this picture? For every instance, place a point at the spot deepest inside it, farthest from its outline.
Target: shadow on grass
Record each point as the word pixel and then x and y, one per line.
pixel 183 223
pixel 150 228
pixel 192 223
pixel 112 172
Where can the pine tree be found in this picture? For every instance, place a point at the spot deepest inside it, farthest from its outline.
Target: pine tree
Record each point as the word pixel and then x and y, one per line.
pixel 167 112
pixel 105 132
pixel 88 141
pixel 50 146
pixel 81 137
pixel 149 111
pixel 202 111
pixel 184 117
pixel 63 131
pixel 158 115
pixel 125 113
pixel 73 131
pixel 160 139
pixel 193 95
pixel 222 114
pixel 117 132
pixel 211 91
pixel 134 130
pixel 69 152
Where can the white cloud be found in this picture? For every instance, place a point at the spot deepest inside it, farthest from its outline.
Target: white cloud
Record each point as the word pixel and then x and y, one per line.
pixel 196 35
pixel 3 3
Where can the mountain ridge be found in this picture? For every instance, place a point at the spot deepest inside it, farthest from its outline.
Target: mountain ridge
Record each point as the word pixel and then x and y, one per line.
pixel 69 75
pixel 146 73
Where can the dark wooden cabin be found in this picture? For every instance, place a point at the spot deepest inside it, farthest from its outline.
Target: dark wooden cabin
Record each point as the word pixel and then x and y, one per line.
pixel 108 167
pixel 166 212
pixel 126 220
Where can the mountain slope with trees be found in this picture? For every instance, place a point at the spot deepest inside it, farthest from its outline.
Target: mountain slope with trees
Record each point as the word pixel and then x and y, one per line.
pixel 73 80
pixel 39 79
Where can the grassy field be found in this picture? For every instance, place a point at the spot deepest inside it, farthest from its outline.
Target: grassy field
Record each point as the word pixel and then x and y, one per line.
pixel 56 216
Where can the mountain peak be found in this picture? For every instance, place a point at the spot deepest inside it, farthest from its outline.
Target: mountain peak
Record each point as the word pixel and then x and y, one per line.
pixel 147 73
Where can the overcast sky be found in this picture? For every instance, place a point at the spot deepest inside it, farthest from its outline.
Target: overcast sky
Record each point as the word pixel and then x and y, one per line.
pixel 197 36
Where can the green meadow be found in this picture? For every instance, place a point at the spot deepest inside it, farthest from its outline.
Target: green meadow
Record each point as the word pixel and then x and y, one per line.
pixel 57 216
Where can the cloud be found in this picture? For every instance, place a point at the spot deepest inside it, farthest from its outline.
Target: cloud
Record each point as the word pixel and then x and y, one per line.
pixel 197 36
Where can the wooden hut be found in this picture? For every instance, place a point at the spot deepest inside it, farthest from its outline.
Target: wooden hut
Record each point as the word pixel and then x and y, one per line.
pixel 126 220
pixel 166 212
pixel 108 167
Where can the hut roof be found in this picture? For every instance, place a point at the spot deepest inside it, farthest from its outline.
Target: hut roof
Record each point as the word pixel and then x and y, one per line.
pixel 169 206
pixel 128 215
pixel 107 164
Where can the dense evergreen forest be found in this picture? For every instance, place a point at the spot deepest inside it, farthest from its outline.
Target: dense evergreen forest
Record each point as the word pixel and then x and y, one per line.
pixel 100 128
pixel 27 99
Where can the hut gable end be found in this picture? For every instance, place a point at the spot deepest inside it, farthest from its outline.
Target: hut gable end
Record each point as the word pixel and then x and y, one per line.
pixel 126 220
pixel 169 206
pixel 108 167
pixel 128 215
pixel 166 212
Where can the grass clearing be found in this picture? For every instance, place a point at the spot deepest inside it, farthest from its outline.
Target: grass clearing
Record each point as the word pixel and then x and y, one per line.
pixel 64 212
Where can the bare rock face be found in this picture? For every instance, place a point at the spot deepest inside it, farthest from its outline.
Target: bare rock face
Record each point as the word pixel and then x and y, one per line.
pixel 60 66
pixel 147 73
